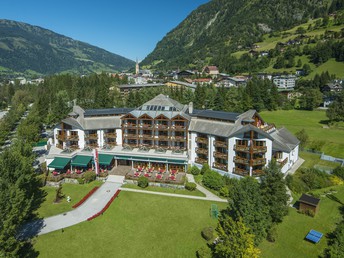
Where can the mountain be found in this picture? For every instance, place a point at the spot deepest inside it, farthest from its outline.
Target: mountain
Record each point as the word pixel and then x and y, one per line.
pixel 216 29
pixel 27 49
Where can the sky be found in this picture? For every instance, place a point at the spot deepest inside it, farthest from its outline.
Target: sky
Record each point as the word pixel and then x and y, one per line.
pixel 130 28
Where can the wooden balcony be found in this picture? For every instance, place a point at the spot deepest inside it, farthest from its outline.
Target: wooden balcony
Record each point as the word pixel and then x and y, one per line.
pixel 178 127
pixel 240 160
pixel 131 136
pixel 260 161
pixel 61 137
pixel 220 155
pixel 268 127
pixel 74 147
pixel 258 149
pixel 202 151
pixel 179 138
pixel 73 137
pixel 92 145
pixel 147 136
pixel 91 136
pixel 200 160
pixel 202 140
pixel 220 166
pixel 283 162
pixel 241 172
pixel 257 172
pixel 130 125
pixel 163 137
pixel 162 127
pixel 220 144
pixel 110 135
pixel 60 146
pixel 110 143
pixel 147 126
pixel 242 148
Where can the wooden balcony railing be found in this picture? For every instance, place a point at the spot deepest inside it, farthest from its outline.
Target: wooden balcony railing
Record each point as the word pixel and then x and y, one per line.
pixel 202 140
pixel 131 136
pixel 61 137
pixel 260 161
pixel 220 144
pixel 110 143
pixel 268 127
pixel 92 145
pixel 91 136
pixel 241 160
pixel 178 127
pixel 220 155
pixel 147 136
pixel 241 172
pixel 110 135
pixel 73 137
pixel 162 126
pixel 258 149
pixel 147 126
pixel 129 125
pixel 74 147
pixel 283 162
pixel 200 160
pixel 179 138
pixel 202 151
pixel 220 166
pixel 257 172
pixel 163 137
pixel 242 148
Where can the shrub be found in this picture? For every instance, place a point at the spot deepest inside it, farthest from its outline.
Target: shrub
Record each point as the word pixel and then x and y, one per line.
pixel 339 172
pixel 224 191
pixel 204 252
pixel 213 180
pixel 205 169
pixel 81 181
pixel 190 186
pixel 208 233
pixel 142 182
pixel 89 176
pixel 194 170
pixel 272 234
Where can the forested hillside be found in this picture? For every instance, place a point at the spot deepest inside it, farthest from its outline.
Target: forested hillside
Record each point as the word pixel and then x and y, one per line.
pixel 27 49
pixel 215 30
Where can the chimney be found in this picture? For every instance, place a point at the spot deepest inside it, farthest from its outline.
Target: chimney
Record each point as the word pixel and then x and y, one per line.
pixel 190 108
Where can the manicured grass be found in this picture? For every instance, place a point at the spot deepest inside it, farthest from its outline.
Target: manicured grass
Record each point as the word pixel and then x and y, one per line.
pixel 332 66
pixel 75 191
pixel 312 159
pixel 135 225
pixel 165 190
pixel 314 122
pixel 295 226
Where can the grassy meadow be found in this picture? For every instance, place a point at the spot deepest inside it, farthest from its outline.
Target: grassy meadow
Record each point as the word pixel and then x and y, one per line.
pixel 315 124
pixel 135 225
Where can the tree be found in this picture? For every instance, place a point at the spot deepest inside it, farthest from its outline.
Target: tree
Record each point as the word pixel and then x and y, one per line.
pixel 235 239
pixel 303 137
pixel 246 202
pixel 273 190
pixel 336 243
pixel 335 112
pixel 310 99
pixel 306 69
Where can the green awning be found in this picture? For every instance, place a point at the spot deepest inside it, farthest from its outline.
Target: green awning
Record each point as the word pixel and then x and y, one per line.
pixel 174 161
pixel 81 161
pixel 59 163
pixel 151 159
pixel 105 159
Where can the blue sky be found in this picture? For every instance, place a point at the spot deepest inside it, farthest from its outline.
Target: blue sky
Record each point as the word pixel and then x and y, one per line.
pixel 130 28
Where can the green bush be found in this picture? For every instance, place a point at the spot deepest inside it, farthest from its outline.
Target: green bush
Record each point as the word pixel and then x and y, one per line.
pixel 142 182
pixel 204 252
pixel 339 172
pixel 195 170
pixel 224 191
pixel 272 234
pixel 190 186
pixel 205 169
pixel 208 233
pixel 89 176
pixel 81 181
pixel 213 180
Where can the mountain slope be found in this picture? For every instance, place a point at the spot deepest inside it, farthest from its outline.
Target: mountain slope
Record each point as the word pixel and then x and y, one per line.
pixel 221 27
pixel 25 48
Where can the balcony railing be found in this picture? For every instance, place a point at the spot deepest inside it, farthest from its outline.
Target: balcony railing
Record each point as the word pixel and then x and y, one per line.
pixel 241 172
pixel 74 147
pixel 202 151
pixel 163 137
pixel 268 127
pixel 220 166
pixel 130 136
pixel 162 127
pixel 200 160
pixel 202 140
pixel 179 138
pixel 179 127
pixel 257 172
pixel 147 136
pixel 241 160
pixel 283 162
pixel 260 161
pixel 147 126
pixel 130 125
pixel 220 155
pixel 220 144
pixel 242 148
pixel 92 145
pixel 91 136
pixel 73 137
pixel 61 137
pixel 257 149
pixel 110 135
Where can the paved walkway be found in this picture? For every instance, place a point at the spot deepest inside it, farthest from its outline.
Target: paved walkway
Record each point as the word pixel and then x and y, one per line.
pixel 295 167
pixel 91 206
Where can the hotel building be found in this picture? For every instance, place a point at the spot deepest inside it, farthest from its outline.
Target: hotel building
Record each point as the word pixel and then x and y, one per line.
pixel 164 133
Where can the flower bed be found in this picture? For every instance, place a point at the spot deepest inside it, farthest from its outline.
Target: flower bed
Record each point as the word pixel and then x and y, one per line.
pixel 106 206
pixel 86 197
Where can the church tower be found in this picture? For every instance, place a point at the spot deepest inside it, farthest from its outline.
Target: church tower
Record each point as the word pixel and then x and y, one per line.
pixel 137 68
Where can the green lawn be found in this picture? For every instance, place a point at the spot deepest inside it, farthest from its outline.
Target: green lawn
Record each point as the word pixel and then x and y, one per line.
pixel 294 228
pixel 314 122
pixel 135 225
pixel 75 191
pixel 165 190
pixel 312 159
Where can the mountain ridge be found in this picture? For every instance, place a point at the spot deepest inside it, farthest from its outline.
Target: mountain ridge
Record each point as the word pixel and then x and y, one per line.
pixel 27 48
